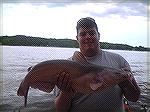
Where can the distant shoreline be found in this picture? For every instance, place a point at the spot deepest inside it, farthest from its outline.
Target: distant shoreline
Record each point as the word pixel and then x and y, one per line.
pixel 69 48
pixel 22 40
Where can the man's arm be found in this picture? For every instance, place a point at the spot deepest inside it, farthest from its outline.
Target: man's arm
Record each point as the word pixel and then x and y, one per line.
pixel 63 100
pixel 130 88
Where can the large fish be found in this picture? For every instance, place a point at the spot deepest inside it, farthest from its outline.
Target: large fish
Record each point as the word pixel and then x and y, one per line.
pixel 83 74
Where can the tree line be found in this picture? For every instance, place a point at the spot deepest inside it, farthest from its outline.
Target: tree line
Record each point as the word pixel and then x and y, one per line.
pixel 22 40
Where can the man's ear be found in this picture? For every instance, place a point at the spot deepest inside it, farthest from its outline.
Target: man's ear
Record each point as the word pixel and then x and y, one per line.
pixel 77 39
pixel 98 36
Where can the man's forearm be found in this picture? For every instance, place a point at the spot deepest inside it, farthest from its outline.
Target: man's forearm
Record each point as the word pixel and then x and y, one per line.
pixel 130 89
pixel 63 102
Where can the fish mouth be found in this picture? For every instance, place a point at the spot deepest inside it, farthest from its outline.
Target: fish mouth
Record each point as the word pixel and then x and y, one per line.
pixel 96 83
pixel 95 86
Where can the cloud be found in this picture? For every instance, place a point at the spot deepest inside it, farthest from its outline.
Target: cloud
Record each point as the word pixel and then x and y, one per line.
pixel 73 1
pixel 123 10
pixel 51 4
pixel 134 9
pixel 116 21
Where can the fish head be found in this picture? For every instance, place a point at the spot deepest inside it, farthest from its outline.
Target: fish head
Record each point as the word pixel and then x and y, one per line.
pixel 82 84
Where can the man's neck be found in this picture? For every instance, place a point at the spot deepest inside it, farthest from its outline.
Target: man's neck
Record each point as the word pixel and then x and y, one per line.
pixel 92 53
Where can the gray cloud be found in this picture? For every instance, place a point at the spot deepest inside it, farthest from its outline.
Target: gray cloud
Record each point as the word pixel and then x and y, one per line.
pixel 75 1
pixel 135 9
pixel 124 10
pixel 51 5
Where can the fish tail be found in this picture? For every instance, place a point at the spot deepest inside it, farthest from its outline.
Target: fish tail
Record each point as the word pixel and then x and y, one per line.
pixel 21 89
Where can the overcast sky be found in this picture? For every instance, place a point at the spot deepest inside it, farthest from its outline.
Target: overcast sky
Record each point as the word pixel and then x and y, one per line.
pixel 124 23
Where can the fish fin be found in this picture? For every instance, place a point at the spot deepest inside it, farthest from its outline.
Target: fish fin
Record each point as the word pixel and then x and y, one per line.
pixel 79 57
pixel 29 68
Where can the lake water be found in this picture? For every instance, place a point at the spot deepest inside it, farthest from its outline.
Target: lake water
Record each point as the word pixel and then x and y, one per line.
pixel 16 60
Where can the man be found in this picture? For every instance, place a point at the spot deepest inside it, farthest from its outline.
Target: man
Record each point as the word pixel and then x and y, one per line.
pixel 109 100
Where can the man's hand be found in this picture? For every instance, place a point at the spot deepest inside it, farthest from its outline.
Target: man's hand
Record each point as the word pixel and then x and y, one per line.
pixel 64 82
pixel 63 101
pixel 129 87
pixel 128 73
pixel 129 79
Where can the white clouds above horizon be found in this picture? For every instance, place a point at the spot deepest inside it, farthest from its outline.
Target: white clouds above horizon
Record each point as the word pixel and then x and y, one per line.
pixel 50 20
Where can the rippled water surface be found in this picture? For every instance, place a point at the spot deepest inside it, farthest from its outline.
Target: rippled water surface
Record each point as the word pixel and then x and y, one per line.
pixel 16 60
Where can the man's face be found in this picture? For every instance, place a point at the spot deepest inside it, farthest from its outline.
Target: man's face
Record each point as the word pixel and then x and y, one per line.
pixel 88 39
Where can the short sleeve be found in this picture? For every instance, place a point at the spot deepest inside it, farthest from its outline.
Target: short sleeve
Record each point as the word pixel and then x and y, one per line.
pixel 124 63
